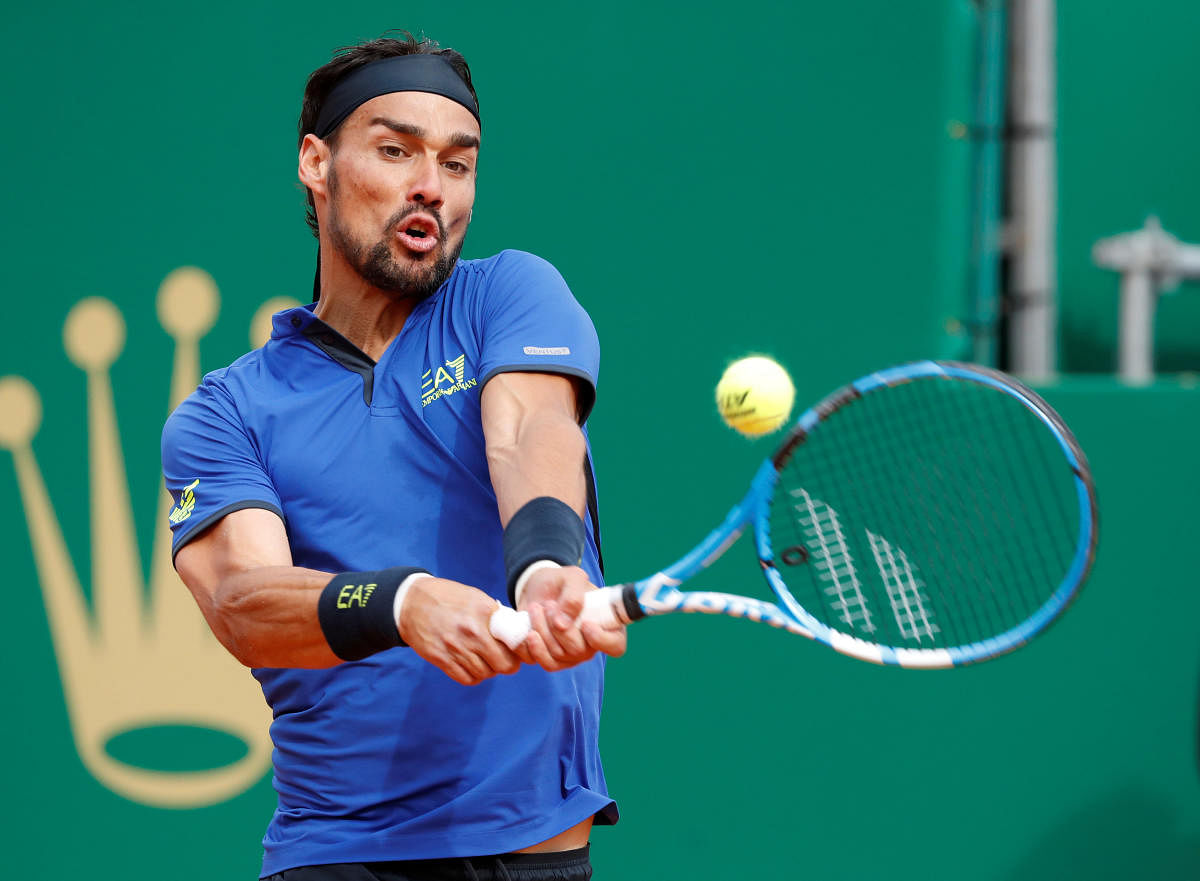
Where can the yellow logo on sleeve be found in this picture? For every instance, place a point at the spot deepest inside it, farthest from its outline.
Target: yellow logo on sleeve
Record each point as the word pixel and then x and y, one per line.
pixel 187 501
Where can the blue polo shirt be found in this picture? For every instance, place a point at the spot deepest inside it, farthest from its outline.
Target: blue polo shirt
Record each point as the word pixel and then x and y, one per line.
pixel 372 465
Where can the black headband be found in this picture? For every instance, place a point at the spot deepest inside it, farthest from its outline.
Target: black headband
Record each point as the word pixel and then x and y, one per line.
pixel 403 73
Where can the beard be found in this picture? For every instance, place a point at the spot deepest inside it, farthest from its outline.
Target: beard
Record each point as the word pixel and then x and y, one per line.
pixel 375 263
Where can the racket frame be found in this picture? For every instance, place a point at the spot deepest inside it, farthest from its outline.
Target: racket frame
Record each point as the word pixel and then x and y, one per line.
pixel 659 593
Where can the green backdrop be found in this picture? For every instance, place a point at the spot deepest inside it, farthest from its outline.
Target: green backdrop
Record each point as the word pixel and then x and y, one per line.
pixel 711 181
pixel 1128 124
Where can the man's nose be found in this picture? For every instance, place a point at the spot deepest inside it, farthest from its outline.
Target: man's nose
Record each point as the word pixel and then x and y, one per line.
pixel 426 186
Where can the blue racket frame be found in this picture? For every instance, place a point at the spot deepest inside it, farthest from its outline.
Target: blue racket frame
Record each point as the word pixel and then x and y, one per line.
pixel 659 594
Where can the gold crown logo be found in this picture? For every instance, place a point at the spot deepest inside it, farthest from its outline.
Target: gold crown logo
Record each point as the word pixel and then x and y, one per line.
pixel 138 660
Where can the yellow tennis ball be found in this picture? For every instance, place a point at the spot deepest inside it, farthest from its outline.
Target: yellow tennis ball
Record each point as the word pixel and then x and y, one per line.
pixel 755 395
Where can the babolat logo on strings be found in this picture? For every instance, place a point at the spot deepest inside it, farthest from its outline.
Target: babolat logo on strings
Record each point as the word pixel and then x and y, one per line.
pixel 446 380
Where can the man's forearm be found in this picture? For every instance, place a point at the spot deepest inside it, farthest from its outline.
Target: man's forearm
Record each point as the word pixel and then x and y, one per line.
pixel 267 617
pixel 546 457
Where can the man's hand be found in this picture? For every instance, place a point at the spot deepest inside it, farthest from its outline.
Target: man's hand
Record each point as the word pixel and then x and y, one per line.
pixel 554 600
pixel 446 623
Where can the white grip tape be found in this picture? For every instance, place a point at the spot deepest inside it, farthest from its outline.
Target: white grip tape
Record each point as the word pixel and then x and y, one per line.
pixel 511 627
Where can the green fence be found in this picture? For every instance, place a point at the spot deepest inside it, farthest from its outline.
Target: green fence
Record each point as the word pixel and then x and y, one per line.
pixel 711 182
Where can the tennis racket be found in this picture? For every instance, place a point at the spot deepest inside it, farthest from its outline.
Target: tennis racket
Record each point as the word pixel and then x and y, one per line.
pixel 931 515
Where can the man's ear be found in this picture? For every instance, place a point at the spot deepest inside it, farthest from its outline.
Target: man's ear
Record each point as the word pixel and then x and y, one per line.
pixel 315 157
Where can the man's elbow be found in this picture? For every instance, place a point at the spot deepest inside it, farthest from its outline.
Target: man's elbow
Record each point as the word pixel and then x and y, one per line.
pixel 226 610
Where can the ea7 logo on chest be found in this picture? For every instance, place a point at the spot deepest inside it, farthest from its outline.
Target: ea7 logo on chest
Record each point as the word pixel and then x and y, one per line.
pixel 445 380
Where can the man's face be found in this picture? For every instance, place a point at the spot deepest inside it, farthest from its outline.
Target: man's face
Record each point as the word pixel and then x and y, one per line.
pixel 401 187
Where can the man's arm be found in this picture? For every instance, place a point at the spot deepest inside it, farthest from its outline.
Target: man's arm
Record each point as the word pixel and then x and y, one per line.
pixel 264 610
pixel 536 448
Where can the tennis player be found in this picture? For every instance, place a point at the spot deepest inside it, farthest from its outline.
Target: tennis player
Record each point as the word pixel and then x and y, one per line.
pixel 354 498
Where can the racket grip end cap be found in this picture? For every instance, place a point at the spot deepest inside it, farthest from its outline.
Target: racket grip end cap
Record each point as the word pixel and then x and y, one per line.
pixel 509 626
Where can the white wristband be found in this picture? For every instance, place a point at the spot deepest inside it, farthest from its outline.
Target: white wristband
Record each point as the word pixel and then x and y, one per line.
pixel 402 592
pixel 519 587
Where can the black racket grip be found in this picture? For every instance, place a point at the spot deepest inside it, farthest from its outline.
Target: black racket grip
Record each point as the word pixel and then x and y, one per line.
pixel 629 599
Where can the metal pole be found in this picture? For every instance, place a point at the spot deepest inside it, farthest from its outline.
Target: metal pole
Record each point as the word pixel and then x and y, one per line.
pixel 1150 261
pixel 1138 302
pixel 1033 319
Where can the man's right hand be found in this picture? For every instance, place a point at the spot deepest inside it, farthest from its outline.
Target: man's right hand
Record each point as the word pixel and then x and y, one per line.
pixel 557 639
pixel 446 623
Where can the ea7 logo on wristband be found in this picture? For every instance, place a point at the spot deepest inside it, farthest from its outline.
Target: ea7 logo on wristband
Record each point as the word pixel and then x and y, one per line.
pixel 445 381
pixel 354 595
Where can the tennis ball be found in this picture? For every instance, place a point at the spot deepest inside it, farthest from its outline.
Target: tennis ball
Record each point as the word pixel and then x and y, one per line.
pixel 755 395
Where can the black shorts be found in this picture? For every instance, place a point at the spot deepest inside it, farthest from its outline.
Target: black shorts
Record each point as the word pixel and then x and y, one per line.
pixel 566 865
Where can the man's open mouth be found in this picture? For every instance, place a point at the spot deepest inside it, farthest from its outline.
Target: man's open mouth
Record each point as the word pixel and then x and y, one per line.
pixel 418 233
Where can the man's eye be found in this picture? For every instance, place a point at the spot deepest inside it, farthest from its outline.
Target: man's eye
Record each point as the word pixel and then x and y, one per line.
pixel 457 167
pixel 392 151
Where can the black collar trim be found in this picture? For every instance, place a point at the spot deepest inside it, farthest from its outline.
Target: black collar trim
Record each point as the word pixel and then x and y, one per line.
pixel 343 352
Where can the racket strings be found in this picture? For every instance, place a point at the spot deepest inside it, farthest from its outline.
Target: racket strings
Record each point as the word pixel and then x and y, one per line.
pixel 945 505
pixel 1048 547
pixel 934 513
pixel 1017 511
pixel 1065 515
pixel 1007 593
pixel 1005 460
pixel 900 589
pixel 921 435
pixel 897 593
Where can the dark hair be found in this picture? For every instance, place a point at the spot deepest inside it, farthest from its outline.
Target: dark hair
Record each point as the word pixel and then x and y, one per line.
pixel 322 80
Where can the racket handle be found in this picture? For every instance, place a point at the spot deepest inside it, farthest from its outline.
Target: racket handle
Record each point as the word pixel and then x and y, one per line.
pixel 600 606
pixel 511 627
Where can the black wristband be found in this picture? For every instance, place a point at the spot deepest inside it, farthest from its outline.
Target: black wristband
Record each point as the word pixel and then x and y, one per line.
pixel 544 528
pixel 356 611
